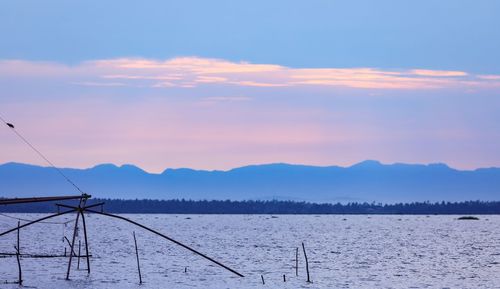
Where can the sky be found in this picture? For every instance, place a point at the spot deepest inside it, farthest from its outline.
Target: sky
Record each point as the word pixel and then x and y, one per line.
pixel 223 84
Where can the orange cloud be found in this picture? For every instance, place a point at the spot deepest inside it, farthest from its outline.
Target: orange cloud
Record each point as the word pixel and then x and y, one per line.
pixel 437 73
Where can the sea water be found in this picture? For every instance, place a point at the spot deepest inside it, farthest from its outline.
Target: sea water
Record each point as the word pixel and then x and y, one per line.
pixel 344 251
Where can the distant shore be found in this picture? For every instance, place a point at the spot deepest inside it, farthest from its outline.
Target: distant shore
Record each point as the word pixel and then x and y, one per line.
pixel 146 206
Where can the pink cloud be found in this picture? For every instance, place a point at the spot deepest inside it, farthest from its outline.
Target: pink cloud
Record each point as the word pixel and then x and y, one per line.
pixel 258 84
pixel 217 114
pixel 490 77
pixel 189 72
pixel 90 83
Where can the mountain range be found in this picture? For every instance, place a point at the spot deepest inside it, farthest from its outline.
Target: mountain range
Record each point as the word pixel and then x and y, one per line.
pixel 368 181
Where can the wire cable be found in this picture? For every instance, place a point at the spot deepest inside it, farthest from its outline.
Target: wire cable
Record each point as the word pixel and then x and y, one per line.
pixel 27 220
pixel 12 127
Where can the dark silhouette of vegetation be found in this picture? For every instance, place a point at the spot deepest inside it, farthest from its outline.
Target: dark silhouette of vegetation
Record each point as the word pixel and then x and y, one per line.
pixel 468 218
pixel 270 207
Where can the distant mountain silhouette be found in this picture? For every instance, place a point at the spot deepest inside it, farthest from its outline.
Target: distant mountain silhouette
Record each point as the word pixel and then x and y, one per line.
pixel 366 181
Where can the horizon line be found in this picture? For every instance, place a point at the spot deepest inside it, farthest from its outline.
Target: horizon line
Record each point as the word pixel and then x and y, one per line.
pixel 254 165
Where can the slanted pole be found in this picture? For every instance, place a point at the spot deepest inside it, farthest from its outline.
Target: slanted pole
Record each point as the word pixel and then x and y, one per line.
pixel 167 238
pixel 86 242
pixel 35 221
pixel 69 243
pixel 79 252
pixel 137 257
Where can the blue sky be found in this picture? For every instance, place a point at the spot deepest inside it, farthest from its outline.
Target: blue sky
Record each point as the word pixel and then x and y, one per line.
pixel 445 35
pixel 218 84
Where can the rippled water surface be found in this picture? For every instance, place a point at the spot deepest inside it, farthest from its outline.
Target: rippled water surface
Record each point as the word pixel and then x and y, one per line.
pixel 344 252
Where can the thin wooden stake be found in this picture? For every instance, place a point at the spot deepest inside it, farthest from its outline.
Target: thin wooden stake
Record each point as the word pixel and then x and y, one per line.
pixel 20 282
pixel 79 252
pixel 284 278
pixel 297 261
pixel 18 248
pixel 307 263
pixel 18 230
pixel 137 256
pixel 262 277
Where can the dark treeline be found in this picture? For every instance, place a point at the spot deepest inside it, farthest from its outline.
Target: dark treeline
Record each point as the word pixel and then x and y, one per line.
pixel 269 207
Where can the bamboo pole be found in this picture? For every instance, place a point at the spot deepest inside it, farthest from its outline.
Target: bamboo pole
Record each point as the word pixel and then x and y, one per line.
pixel 86 242
pixel 78 212
pixel 69 243
pixel 33 255
pixel 76 208
pixel 137 257
pixel 5 255
pixel 36 221
pixel 168 238
pixel 307 263
pixel 39 199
